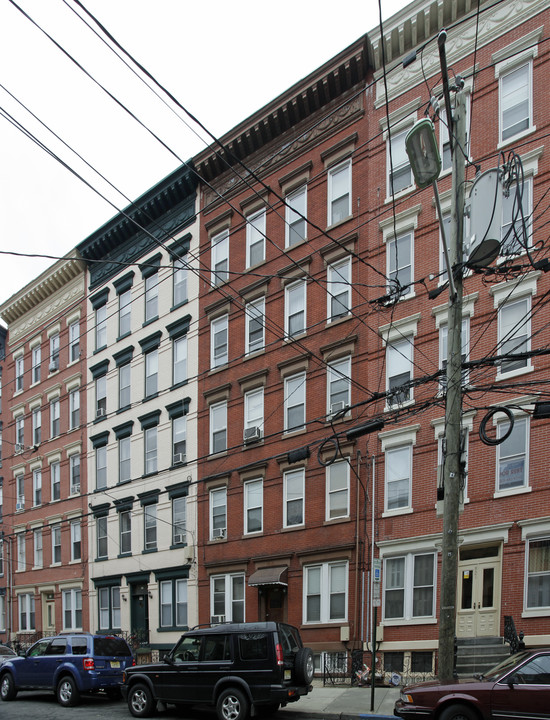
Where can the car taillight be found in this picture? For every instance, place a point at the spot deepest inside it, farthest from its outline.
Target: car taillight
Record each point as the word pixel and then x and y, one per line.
pixel 279 653
pixel 88 663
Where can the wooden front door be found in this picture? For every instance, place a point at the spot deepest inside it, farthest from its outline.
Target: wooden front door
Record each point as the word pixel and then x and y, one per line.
pixel 478 596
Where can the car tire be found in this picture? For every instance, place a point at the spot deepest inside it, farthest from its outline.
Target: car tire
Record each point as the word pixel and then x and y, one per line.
pixel 8 691
pixel 141 702
pixel 232 705
pixel 304 666
pixel 458 712
pixel 67 692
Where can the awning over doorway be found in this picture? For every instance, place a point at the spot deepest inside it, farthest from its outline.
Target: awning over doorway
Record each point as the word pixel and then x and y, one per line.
pixel 269 576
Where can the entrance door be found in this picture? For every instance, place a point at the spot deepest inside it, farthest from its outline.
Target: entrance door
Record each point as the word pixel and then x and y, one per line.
pixel 49 615
pixel 478 594
pixel 139 617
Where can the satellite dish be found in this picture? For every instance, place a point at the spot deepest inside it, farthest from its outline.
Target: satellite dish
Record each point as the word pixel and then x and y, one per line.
pixel 485 219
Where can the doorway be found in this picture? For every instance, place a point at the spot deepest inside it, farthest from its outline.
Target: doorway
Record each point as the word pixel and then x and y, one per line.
pixel 479 591
pixel 139 613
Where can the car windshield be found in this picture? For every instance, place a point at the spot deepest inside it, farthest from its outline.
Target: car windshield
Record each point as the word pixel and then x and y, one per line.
pixel 6 651
pixel 505 666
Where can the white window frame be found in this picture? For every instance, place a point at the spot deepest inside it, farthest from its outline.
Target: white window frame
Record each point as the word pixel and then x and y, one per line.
pixel 74 341
pixel 125 531
pixel 125 313
pixel 400 356
pixel 220 257
pixel 338 289
pixel 36 426
pixel 511 456
pixel 55 531
pixel 54 351
pixel 322 580
pixel 36 364
pixel 337 487
pixel 295 216
pixel 152 296
pixel 505 134
pixel 55 480
pixel 179 360
pixel 516 216
pixel 27 615
pixel 101 467
pixel 76 540
pixel 294 397
pixel 21 551
pixel 254 409
pixel 74 409
pixel 406 587
pixel 38 548
pixel 101 536
pixel 541 577
pixel 55 417
pixel 179 436
pixel 179 520
pixel 100 396
pixel 338 383
pixel 293 494
pixel 508 338
pixel 124 459
pixel 19 373
pixel 151 373
pixel 150 450
pixel 337 174
pixel 400 160
pixel 124 385
pixel 395 268
pixel 255 238
pixel 179 282
pixel 75 473
pixel 173 603
pixel 100 330
pixel 72 609
pixel 465 341
pixel 219 341
pixel 217 499
pixel 253 500
pixel 227 594
pixel 255 326
pixel 150 527
pixel 218 426
pixel 37 487
pixel 404 452
pixel 295 307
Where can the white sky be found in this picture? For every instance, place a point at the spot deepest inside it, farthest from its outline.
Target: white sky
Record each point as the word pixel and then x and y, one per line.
pixel 222 60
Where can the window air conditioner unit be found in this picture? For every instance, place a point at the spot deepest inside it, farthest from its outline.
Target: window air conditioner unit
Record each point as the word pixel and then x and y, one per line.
pixel 100 412
pixel 252 434
pixel 53 366
pixel 179 538
pixel 217 619
pixel 178 459
pixel 218 533
pixel 337 407
pixel 20 506
pixel 18 448
pixel 75 489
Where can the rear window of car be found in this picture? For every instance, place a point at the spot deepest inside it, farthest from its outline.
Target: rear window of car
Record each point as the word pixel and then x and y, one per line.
pixel 253 646
pixel 289 639
pixel 104 646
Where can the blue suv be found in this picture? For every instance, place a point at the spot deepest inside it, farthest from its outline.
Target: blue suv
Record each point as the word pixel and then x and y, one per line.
pixel 68 664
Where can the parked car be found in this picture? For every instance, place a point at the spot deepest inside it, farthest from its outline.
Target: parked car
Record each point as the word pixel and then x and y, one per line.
pixel 519 687
pixel 69 664
pixel 235 667
pixel 6 653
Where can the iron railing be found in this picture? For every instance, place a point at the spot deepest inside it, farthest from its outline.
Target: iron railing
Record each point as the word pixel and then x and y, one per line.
pixel 511 636
pixel 355 669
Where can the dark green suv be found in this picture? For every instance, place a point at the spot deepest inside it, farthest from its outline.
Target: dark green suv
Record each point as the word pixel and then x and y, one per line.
pixel 234 667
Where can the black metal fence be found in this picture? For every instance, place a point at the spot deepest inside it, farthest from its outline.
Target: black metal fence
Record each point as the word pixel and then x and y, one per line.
pixel 391 668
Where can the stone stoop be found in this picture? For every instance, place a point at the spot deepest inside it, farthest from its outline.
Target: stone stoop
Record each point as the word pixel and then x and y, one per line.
pixel 477 655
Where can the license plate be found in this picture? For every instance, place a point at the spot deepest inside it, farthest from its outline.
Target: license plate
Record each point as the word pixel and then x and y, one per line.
pixel 115 664
pixel 288 674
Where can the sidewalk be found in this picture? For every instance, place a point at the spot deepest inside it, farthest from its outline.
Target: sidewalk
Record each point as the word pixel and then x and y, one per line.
pixel 343 703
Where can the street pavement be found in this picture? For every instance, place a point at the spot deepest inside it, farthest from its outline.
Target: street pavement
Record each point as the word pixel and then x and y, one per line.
pixel 340 702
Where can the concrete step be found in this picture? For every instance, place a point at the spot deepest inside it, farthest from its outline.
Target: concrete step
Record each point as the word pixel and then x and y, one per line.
pixel 477 655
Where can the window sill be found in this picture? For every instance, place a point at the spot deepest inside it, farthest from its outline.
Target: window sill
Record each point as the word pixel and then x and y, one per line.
pixel 100 349
pixel 123 336
pixel 512 491
pixel 172 628
pixel 151 320
pixel 150 474
pixel 514 373
pixel 331 227
pixel 409 621
pixel 179 305
pixel 150 397
pixel 514 139
pixel 180 384
pixel 337 520
pixel 338 320
pixel 397 513
pixel 149 551
pixel 398 405
pixel 400 194
pixel 538 612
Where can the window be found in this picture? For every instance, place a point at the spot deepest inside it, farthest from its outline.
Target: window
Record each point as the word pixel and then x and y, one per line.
pixel 55 481
pixel 399 371
pixel 339 193
pixel 514 331
pixel 19 373
pixel 179 360
pixel 19 434
pixel 179 520
pixel 124 375
pixel 337 499
pixel 36 487
pixel 101 327
pixel 125 313
pixel 325 592
pixel 26 612
pixel 516 219
pixel 173 603
pixel 515 94
pixel 125 531
pixel 218 427
pixel 398 466
pixel 74 409
pixel 179 282
pixel 409 590
pixel 109 607
pixel 512 455
pixel 538 573
pixel 101 467
pixel 36 426
pixel 295 216
pixel 150 437
pixel 101 396
pixel 150 527
pixel 220 258
pixel 218 340
pixel 218 513
pixel 74 341
pixel 399 168
pixel 443 350
pixel 20 492
pixel 151 297
pixel 227 597
pixel 151 373
pixel 54 352
pixel 294 494
pixel 179 439
pixel 124 460
pixel 444 144
pixel 400 262
pixel 74 472
pixel 255 238
pixel 36 360
pixel 38 551
pixel 253 415
pixel 54 418
pixel 72 609
pixel 338 385
pixel 101 536
pixel 295 308
pixel 21 552
pixel 253 506
pixel 254 329
pixel 339 290
pixel 76 540
pixel 295 402
pixel 56 544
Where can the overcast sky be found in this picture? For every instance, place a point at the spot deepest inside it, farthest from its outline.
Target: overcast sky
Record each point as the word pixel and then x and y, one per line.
pixel 222 60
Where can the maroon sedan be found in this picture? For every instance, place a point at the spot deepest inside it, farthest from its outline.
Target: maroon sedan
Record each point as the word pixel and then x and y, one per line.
pixel 519 687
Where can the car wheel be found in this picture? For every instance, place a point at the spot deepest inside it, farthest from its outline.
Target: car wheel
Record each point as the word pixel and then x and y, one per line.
pixel 67 692
pixel 232 705
pixel 458 712
pixel 8 690
pixel 304 666
pixel 141 702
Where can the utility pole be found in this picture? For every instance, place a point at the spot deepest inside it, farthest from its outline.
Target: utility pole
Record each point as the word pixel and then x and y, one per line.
pixel 453 401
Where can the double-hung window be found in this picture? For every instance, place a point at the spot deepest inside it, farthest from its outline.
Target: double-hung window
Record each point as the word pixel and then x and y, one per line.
pixel 151 453
pixel 400 262
pixel 76 540
pixel 255 238
pixel 101 327
pixel 409 586
pixel 179 439
pixel 516 104
pixel 36 426
pixel 513 455
pixel 151 373
pixel 151 297
pixel 56 543
pixel 253 415
pixel 179 282
pixel 109 607
pixel 124 379
pixel 254 325
pixel 295 216
pixel 101 536
pixel 54 417
pixel 21 551
pixel 101 396
pixel 179 360
pixel 295 402
pixel 220 257
pixel 74 341
pixel 173 603
pixel 55 481
pixel 294 497
pixel 514 332
pixel 219 329
pixel 253 506
pixel 398 477
pixel 150 527
pixel 227 597
pixel 399 371
pixel 443 350
pixel 54 352
pixel 36 360
pixel 325 592
pixel 295 308
pixel 179 520
pixel 26 612
pixel 516 219
pixel 339 289
pixel 124 459
pixel 74 409
pixel 19 434
pixel 218 427
pixel 37 487
pixel 399 167
pixel 74 471
pixel 339 193
pixel 72 609
pixel 338 385
pixel 20 492
pixel 19 373
pixel 337 489
pixel 125 531
pixel 38 548
pixel 538 573
pixel 218 513
pixel 125 313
